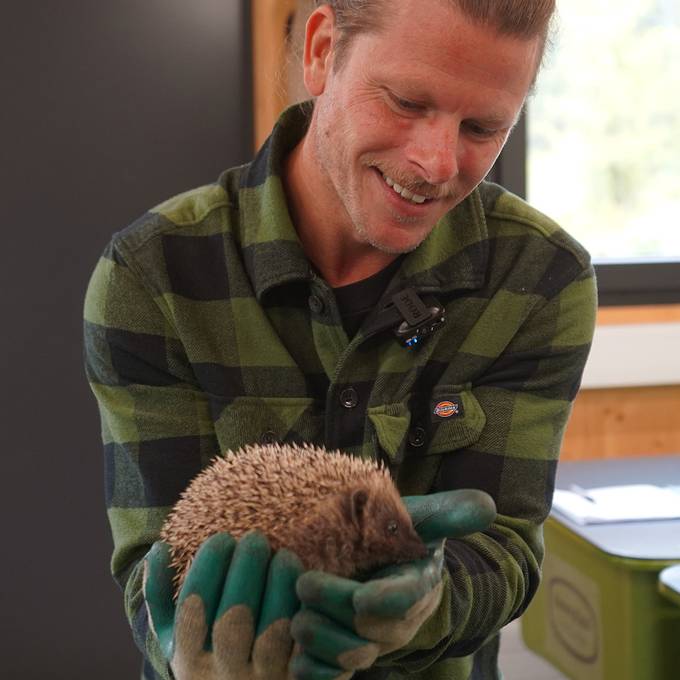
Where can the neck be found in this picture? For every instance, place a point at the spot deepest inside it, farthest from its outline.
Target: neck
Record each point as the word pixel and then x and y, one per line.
pixel 322 224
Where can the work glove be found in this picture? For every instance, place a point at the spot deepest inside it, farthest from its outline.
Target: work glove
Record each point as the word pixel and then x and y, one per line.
pixel 231 620
pixel 345 625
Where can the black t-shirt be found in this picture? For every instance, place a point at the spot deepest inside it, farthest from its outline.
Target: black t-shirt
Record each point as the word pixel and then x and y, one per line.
pixel 357 299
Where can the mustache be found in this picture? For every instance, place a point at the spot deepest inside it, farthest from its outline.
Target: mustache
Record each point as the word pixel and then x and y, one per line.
pixel 416 185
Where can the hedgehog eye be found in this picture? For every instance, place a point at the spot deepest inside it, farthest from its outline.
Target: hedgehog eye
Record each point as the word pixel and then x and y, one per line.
pixel 392 527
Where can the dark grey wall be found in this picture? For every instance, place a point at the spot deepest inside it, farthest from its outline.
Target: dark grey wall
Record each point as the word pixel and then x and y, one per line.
pixel 106 108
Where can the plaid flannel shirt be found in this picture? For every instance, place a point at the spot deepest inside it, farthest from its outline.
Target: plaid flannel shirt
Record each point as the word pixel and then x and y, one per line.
pixel 207 328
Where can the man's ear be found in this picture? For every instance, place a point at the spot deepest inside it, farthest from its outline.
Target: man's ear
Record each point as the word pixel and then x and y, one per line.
pixel 318 52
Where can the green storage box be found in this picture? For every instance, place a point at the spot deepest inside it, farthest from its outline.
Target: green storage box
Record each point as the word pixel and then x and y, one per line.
pixel 602 612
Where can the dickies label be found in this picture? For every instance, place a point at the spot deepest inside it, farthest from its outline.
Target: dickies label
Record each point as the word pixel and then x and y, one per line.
pixel 448 408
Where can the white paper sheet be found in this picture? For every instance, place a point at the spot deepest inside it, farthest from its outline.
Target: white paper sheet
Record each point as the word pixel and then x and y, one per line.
pixel 628 503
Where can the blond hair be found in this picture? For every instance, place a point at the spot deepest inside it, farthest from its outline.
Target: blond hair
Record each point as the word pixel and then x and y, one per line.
pixel 525 19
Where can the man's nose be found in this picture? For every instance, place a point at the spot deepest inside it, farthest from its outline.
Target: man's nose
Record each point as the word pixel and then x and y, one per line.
pixel 435 150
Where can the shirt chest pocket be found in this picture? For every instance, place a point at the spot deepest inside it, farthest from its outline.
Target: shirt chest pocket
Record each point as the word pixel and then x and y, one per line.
pixel 256 420
pixel 414 435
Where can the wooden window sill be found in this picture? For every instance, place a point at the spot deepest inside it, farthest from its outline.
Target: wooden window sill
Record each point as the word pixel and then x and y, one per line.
pixel 618 316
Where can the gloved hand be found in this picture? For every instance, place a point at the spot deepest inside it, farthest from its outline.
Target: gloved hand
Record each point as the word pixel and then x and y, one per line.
pixel 232 617
pixel 345 625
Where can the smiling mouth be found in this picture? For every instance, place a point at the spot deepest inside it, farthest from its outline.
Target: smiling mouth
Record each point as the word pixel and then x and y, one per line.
pixel 416 199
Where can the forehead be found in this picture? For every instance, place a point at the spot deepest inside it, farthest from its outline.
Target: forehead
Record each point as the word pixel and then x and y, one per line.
pixel 430 44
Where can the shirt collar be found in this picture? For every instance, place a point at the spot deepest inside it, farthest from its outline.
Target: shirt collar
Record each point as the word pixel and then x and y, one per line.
pixel 272 251
pixel 454 255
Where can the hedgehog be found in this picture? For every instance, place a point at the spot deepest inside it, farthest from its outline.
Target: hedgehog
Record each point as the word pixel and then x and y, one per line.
pixel 338 513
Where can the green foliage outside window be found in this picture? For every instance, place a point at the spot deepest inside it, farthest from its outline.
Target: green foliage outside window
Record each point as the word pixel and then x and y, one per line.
pixel 604 128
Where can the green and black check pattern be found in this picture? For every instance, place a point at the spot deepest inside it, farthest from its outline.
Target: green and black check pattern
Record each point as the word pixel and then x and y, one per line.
pixel 206 328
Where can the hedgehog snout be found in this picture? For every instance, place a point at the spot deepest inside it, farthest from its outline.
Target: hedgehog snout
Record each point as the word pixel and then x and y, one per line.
pixel 413 547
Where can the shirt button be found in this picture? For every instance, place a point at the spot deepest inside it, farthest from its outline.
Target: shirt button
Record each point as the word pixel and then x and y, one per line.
pixel 349 397
pixel 269 437
pixel 316 304
pixel 416 437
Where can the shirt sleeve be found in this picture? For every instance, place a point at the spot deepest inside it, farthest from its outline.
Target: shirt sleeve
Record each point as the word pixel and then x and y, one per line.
pixel 526 395
pixel 156 425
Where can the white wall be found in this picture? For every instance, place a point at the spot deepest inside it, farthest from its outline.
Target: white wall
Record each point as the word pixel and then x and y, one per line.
pixel 631 355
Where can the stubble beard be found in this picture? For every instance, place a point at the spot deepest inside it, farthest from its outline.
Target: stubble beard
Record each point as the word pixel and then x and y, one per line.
pixel 366 237
pixel 349 199
pixel 359 221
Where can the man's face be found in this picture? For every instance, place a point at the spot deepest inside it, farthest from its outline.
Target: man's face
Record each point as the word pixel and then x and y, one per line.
pixel 425 106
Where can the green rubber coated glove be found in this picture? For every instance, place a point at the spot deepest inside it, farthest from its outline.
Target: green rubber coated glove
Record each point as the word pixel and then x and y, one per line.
pixel 231 620
pixel 450 514
pixel 345 625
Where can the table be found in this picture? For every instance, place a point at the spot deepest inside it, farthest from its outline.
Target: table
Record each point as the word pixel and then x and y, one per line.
pixel 602 612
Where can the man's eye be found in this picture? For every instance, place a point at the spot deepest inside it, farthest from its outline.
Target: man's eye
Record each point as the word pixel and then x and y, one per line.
pixel 407 105
pixel 479 131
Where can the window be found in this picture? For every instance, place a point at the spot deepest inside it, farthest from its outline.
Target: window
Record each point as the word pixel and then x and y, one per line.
pixel 600 146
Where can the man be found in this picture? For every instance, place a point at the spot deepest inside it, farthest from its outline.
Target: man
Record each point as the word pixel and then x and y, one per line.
pixel 268 307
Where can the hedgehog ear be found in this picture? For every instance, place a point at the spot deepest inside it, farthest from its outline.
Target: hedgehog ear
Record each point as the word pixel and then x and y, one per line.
pixel 357 505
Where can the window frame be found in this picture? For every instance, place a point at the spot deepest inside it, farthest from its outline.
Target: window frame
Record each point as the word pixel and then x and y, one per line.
pixel 620 282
